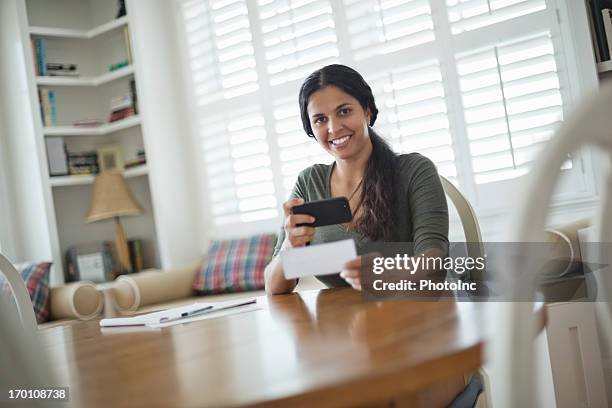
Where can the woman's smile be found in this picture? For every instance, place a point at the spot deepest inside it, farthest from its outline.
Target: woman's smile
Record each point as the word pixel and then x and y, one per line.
pixel 340 142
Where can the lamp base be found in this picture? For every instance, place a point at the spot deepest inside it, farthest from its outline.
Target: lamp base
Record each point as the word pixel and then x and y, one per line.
pixel 121 244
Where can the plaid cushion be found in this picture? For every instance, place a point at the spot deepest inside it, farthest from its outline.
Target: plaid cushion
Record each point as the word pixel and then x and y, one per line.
pixel 235 265
pixel 36 278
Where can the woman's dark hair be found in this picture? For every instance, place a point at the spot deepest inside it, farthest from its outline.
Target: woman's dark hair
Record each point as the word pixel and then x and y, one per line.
pixel 378 188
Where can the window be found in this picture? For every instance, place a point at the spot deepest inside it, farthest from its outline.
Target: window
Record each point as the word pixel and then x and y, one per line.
pixel 296 152
pixel 220 50
pixel 414 114
pixel 475 85
pixel 382 27
pixel 468 15
pixel 512 104
pixel 298 37
pixel 236 154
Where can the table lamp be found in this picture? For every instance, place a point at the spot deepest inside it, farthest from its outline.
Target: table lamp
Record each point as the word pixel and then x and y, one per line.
pixel 112 198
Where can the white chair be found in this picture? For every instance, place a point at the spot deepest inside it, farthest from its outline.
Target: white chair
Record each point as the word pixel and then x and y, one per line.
pixel 513 346
pixel 24 362
pixel 469 223
pixel 20 292
pixel 475 249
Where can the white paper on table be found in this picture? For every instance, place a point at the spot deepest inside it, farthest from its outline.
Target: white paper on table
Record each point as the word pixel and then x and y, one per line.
pixel 320 259
pixel 211 315
pixel 155 318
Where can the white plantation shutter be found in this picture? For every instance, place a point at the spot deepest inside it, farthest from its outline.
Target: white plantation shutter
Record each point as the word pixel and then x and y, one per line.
pixel 298 37
pixel 468 15
pixel 236 154
pixel 475 85
pixel 384 26
pixel 413 113
pixel 512 105
pixel 296 150
pixel 220 49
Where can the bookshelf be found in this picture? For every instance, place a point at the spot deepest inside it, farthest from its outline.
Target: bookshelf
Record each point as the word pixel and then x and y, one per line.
pixel 88 35
pixel 604 68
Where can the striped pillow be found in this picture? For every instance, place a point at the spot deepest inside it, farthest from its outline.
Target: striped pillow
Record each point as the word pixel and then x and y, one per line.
pixel 36 278
pixel 235 265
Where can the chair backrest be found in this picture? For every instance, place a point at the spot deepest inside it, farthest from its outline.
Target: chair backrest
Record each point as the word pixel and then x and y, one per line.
pixel 20 292
pixel 513 345
pixel 469 222
pixel 24 362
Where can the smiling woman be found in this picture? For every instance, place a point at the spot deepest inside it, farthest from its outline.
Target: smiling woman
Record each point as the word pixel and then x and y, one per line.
pixel 393 198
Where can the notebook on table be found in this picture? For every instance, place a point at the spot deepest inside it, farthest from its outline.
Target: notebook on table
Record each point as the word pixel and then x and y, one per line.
pixel 174 314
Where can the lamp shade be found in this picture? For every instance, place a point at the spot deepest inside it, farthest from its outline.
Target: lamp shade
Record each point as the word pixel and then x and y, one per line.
pixel 111 198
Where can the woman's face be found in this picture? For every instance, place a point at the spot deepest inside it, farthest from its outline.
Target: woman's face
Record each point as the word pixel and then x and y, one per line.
pixel 339 122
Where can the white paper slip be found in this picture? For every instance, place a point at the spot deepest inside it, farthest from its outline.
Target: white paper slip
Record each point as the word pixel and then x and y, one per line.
pixel 174 314
pixel 206 316
pixel 321 259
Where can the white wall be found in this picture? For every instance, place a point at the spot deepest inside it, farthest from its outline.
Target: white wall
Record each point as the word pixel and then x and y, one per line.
pixel 28 199
pixel 6 225
pixel 164 110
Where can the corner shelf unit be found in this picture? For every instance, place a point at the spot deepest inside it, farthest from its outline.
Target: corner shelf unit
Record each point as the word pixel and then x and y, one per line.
pixel 87 34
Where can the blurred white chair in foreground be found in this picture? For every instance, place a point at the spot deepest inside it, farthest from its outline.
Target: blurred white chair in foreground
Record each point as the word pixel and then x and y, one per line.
pixel 24 363
pixel 513 345
pixel 20 292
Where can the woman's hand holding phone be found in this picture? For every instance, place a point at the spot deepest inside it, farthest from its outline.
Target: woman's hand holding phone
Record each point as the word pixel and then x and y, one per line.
pixel 297 236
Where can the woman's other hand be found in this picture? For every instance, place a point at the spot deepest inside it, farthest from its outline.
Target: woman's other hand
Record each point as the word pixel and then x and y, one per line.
pixel 297 236
pixel 351 273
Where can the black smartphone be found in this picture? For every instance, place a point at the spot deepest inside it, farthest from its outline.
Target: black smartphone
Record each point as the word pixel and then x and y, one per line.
pixel 326 212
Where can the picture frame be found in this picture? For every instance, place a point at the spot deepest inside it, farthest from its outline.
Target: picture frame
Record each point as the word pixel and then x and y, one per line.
pixel 110 157
pixel 92 261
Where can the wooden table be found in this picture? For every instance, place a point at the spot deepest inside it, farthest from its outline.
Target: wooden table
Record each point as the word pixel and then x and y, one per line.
pixel 317 348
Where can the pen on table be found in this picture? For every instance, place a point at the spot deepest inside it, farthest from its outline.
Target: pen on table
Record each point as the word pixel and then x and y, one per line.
pixel 183 315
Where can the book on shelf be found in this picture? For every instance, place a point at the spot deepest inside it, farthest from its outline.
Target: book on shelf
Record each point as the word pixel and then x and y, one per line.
pixel 128 44
pixel 134 95
pixel 47 107
pixel 121 8
pixel 121 114
pixel 70 70
pixel 121 102
pixel 57 156
pixel 606 15
pixel 61 66
pixel 87 123
pixel 135 250
pixel 134 163
pixel 597 18
pixel 41 56
pixel 119 65
pixel 34 56
pixel 62 69
pixel 83 163
pixel 121 107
